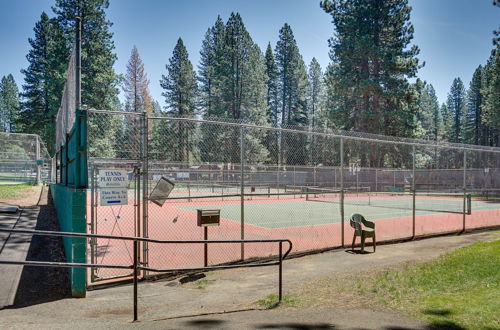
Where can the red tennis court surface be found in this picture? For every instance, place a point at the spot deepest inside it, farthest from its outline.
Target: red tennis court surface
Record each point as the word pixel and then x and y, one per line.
pixel 177 221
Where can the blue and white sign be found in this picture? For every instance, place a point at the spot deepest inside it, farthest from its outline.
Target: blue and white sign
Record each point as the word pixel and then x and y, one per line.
pixel 113 178
pixel 114 196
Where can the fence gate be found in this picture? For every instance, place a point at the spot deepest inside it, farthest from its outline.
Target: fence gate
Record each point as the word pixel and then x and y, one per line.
pixel 115 209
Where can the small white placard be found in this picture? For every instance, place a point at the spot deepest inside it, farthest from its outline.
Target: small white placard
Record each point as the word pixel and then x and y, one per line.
pixel 113 178
pixel 114 196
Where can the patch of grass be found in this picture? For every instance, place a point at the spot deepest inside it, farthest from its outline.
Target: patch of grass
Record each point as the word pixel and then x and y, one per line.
pixel 201 284
pixel 460 288
pixel 271 301
pixel 13 191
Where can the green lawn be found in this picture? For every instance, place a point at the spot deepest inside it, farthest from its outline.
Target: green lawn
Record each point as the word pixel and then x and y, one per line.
pixel 460 290
pixel 13 191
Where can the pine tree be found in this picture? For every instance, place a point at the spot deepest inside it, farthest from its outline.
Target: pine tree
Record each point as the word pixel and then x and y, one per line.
pixel 233 86
pixel 272 87
pixel 271 141
pixel 136 83
pixel 447 122
pixel 9 104
pixel 456 108
pixel 428 115
pixel 491 94
pixel 372 61
pixel 209 68
pixel 315 92
pixel 292 96
pixel 473 118
pixel 99 88
pixel 99 81
pixel 137 99
pixel 44 80
pixel 180 91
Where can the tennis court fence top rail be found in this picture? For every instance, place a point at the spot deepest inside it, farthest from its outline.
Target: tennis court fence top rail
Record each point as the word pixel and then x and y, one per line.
pixel 360 136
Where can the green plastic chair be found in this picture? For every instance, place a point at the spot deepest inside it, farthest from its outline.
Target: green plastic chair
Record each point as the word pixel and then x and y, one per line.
pixel 363 228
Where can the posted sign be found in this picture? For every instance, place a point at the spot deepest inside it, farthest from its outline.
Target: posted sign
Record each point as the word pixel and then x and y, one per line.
pixel 114 196
pixel 113 185
pixel 113 178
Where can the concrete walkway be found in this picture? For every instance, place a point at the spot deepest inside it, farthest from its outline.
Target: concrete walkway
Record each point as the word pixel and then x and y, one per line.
pixel 15 247
pixel 228 299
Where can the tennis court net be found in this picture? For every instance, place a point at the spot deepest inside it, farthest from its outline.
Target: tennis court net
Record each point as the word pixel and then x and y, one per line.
pixel 431 202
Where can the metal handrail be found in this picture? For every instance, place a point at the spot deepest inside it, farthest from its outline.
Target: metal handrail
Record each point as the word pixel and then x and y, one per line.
pixel 136 265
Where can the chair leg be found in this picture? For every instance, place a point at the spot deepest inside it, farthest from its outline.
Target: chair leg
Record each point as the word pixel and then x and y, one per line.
pixel 353 240
pixel 374 243
pixel 363 243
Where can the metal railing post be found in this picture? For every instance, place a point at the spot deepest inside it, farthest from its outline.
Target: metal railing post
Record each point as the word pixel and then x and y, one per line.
pixel 465 190
pixel 342 188
pixel 280 272
pixel 414 194
pixel 242 192
pixel 205 246
pixel 136 270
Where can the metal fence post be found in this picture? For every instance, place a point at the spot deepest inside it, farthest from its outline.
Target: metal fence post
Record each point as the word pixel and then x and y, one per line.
pixel 145 186
pixel 242 192
pixel 342 187
pixel 413 193
pixel 92 224
pixel 465 190
pixel 37 157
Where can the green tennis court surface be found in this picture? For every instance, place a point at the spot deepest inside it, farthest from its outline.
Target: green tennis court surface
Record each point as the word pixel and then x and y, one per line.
pixel 299 212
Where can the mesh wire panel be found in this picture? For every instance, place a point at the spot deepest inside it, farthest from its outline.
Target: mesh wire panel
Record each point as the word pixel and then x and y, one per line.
pixel 286 183
pixel 66 114
pixel 483 183
pixel 203 160
pixel 19 154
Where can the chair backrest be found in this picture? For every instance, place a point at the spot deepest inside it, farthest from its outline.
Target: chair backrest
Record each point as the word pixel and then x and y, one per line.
pixel 356 221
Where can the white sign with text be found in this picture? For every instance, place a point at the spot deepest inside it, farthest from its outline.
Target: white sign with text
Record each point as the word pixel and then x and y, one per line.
pixel 114 196
pixel 113 178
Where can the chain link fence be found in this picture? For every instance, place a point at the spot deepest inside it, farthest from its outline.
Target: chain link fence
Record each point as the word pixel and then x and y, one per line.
pixel 280 183
pixel 24 160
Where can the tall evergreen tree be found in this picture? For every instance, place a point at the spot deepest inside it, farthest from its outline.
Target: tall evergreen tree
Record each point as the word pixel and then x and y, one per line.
pixel 315 92
pixel 209 68
pixel 271 141
pixel 272 87
pixel 136 83
pixel 372 61
pixel 491 94
pixel 99 81
pixel 292 79
pixel 473 118
pixel 137 99
pixel 233 86
pixel 99 88
pixel 292 96
pixel 447 122
pixel 428 115
pixel 44 80
pixel 180 90
pixel 456 108
pixel 9 104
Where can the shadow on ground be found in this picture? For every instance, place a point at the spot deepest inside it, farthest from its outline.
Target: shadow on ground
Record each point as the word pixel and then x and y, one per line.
pixel 44 284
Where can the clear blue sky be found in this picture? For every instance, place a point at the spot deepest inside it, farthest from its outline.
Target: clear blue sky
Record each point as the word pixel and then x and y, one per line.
pixel 454 35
